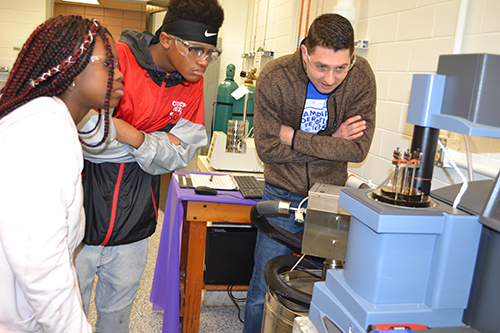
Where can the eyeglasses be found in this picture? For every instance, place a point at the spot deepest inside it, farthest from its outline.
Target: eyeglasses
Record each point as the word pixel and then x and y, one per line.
pixel 193 51
pixel 337 70
pixel 104 60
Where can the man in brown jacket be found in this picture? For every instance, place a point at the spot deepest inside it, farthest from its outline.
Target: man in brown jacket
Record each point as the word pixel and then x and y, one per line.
pixel 314 113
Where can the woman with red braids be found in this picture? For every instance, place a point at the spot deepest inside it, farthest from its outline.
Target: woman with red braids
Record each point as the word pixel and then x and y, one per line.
pixel 67 66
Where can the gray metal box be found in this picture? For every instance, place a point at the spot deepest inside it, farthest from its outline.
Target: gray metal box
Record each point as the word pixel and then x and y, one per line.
pixel 327 225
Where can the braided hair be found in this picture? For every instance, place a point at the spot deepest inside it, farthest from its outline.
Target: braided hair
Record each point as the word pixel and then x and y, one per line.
pixel 53 56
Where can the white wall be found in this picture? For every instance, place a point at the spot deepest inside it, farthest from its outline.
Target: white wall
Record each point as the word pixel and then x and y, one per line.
pixel 406 37
pixel 18 19
pixel 232 33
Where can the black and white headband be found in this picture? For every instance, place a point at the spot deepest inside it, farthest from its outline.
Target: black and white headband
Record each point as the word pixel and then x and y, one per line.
pixel 192 31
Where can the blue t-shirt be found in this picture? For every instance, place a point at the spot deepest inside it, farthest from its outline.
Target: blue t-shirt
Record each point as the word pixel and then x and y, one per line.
pixel 315 115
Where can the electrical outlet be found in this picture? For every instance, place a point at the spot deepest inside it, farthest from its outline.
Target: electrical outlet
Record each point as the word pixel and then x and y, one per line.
pixel 453 144
pixel 361 44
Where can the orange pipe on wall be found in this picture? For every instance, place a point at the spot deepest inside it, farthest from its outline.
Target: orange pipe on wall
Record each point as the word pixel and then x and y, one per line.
pixel 307 18
pixel 300 22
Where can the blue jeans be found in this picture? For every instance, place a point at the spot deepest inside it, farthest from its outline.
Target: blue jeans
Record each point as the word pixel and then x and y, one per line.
pixel 119 270
pixel 266 249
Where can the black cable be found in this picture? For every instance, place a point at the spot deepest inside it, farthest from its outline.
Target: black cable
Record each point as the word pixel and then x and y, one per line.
pixel 230 291
pixel 234 299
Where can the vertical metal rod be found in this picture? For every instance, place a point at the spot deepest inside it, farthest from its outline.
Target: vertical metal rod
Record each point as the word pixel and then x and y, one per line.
pixel 403 180
pixel 394 183
pixel 410 191
pixel 396 157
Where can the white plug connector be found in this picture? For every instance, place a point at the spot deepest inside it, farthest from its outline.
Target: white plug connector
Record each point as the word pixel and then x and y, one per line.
pixel 299 215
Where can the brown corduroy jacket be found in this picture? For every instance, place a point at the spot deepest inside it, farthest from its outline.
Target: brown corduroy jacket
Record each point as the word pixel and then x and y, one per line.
pixel 280 97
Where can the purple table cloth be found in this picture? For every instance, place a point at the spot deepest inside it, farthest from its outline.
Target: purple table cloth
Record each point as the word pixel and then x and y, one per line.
pixel 165 289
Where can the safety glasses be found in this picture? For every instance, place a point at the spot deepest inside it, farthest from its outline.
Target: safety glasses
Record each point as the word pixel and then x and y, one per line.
pixel 192 51
pixel 337 70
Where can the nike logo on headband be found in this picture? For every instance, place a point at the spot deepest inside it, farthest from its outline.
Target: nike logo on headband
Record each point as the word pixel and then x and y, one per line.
pixel 209 34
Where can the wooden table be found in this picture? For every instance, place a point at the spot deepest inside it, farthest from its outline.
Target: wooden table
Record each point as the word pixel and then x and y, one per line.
pixel 198 213
pixel 182 250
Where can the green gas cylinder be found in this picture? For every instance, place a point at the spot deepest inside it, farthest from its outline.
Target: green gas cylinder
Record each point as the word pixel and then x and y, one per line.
pixel 225 102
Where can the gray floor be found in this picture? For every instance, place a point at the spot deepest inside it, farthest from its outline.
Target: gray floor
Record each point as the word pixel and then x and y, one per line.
pixel 220 319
